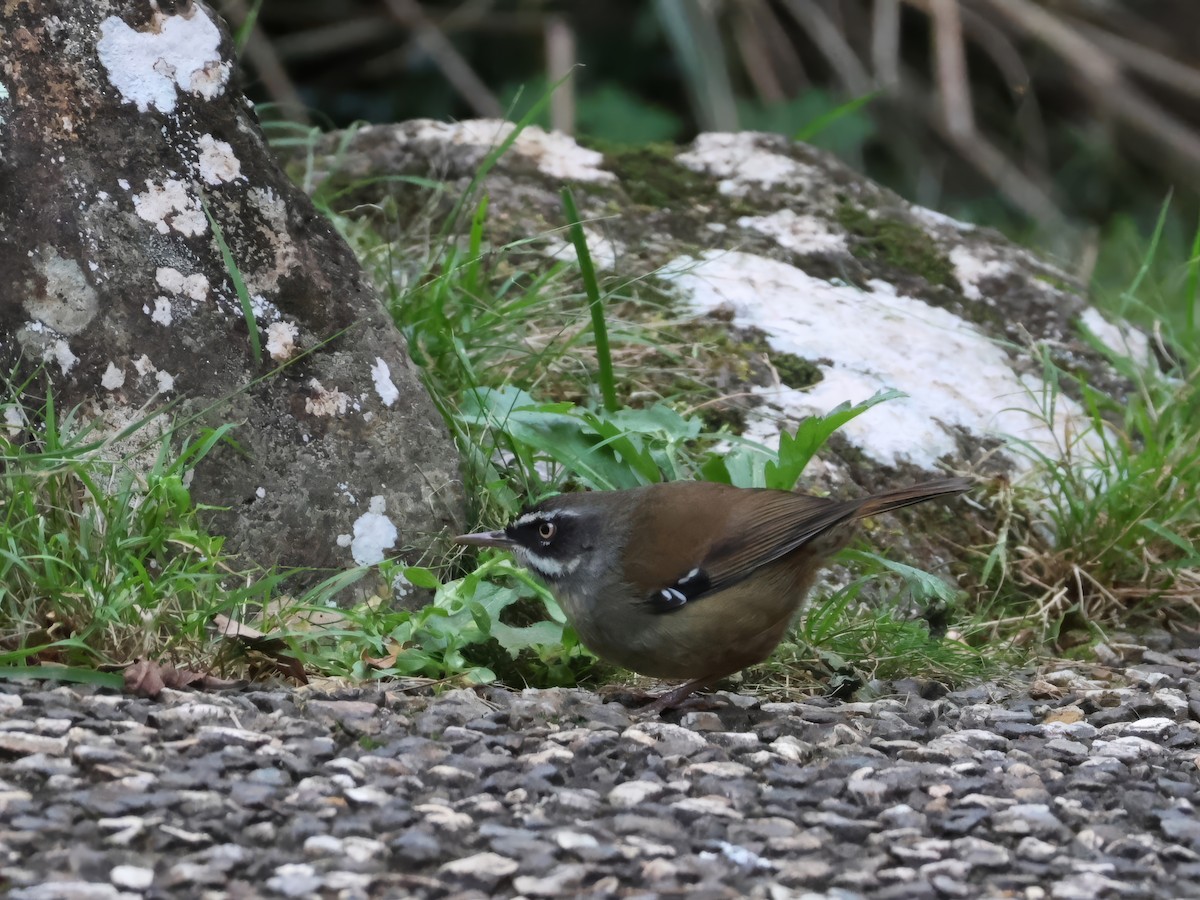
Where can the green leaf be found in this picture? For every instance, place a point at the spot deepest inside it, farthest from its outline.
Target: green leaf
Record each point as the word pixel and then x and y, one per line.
pixel 515 639
pixel 1168 535
pixel 796 450
pixel 420 577
pixel 591 287
pixel 239 283
pixel 923 584
pixel 73 674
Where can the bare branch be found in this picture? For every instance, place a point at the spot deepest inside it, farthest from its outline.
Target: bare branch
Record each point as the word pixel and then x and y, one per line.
pixel 951 62
pixel 832 43
pixel 456 69
pixel 885 42
pixel 560 60
pixel 260 54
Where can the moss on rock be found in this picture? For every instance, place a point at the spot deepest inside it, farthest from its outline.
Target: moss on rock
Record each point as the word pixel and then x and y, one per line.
pixel 896 243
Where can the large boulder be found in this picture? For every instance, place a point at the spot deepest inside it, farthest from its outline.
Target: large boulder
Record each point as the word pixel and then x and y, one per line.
pixel 794 285
pixel 128 163
pixel 839 285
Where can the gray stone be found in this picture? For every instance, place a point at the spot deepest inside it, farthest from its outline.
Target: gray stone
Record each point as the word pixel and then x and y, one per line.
pixel 71 890
pixel 631 793
pixel 563 881
pixel 665 739
pixel 135 878
pixel 484 870
pixel 25 743
pixel 295 880
pixel 1027 818
pixel 142 311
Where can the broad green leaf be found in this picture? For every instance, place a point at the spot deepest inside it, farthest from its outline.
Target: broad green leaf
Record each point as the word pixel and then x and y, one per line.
pixel 796 450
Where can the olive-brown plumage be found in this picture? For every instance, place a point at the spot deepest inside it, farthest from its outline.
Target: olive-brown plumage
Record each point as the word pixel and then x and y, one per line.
pixel 688 580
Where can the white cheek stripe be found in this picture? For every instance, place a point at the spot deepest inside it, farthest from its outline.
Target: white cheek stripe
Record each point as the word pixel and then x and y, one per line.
pixel 551 567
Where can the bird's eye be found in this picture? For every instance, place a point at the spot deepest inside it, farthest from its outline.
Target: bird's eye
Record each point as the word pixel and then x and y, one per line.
pixel 547 530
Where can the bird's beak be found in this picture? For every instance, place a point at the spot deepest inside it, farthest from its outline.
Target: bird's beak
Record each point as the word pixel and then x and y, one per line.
pixel 486 539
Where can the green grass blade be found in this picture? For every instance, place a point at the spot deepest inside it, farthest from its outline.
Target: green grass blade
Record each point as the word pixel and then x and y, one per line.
pixel 608 388
pixel 1191 293
pixel 823 121
pixel 73 674
pixel 239 283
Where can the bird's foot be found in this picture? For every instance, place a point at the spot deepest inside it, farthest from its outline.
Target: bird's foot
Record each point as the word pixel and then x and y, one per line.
pixel 679 698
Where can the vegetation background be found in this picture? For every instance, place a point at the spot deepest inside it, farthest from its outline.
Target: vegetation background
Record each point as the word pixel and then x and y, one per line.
pixel 1065 123
pixel 1072 125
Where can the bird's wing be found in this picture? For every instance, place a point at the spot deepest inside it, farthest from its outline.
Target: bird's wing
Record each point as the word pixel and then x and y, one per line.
pixel 751 534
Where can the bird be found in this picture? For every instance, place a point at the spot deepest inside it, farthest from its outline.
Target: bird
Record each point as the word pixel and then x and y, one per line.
pixel 687 580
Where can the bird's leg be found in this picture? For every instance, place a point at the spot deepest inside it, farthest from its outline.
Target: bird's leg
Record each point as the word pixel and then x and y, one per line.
pixel 674 698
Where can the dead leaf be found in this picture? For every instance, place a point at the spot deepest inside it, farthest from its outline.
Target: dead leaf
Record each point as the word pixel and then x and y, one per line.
pixel 147 678
pixel 273 648
pixel 144 679
pixel 395 648
pixel 1044 690
pixel 298 617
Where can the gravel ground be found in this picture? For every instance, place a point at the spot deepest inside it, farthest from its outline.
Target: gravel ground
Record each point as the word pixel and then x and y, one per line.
pixel 1079 784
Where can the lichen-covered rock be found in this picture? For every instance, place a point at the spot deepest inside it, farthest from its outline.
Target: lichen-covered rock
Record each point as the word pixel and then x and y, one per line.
pixel 127 158
pixel 855 289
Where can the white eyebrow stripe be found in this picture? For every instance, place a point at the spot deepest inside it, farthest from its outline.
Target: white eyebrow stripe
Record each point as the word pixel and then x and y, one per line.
pixel 548 516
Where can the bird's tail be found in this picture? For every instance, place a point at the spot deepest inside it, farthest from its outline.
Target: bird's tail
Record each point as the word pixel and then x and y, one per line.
pixel 907 496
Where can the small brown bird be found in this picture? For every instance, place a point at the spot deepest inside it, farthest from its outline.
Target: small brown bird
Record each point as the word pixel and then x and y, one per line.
pixel 687 580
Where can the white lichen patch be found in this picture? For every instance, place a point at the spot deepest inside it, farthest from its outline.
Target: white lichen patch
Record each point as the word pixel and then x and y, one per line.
pixel 274 230
pixel 798 233
pixel 554 153
pixel 281 340
pixel 169 205
pixel 169 279
pixel 402 588
pixel 384 386
pixel 69 302
pixel 955 376
pixel 604 249
pixel 740 164
pixel 113 377
pixel 142 432
pixel 175 53
pixel 970 268
pixel 325 402
pixel 264 309
pixel 194 286
pixel 939 219
pixel 59 351
pixel 166 382
pixel 217 163
pixel 143 365
pixel 14 419
pixel 374 534
pixel 161 312
pixel 1122 339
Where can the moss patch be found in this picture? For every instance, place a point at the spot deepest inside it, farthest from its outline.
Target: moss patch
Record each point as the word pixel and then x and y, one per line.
pixel 1056 282
pixel 726 363
pixel 650 175
pixel 795 371
pixel 897 244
